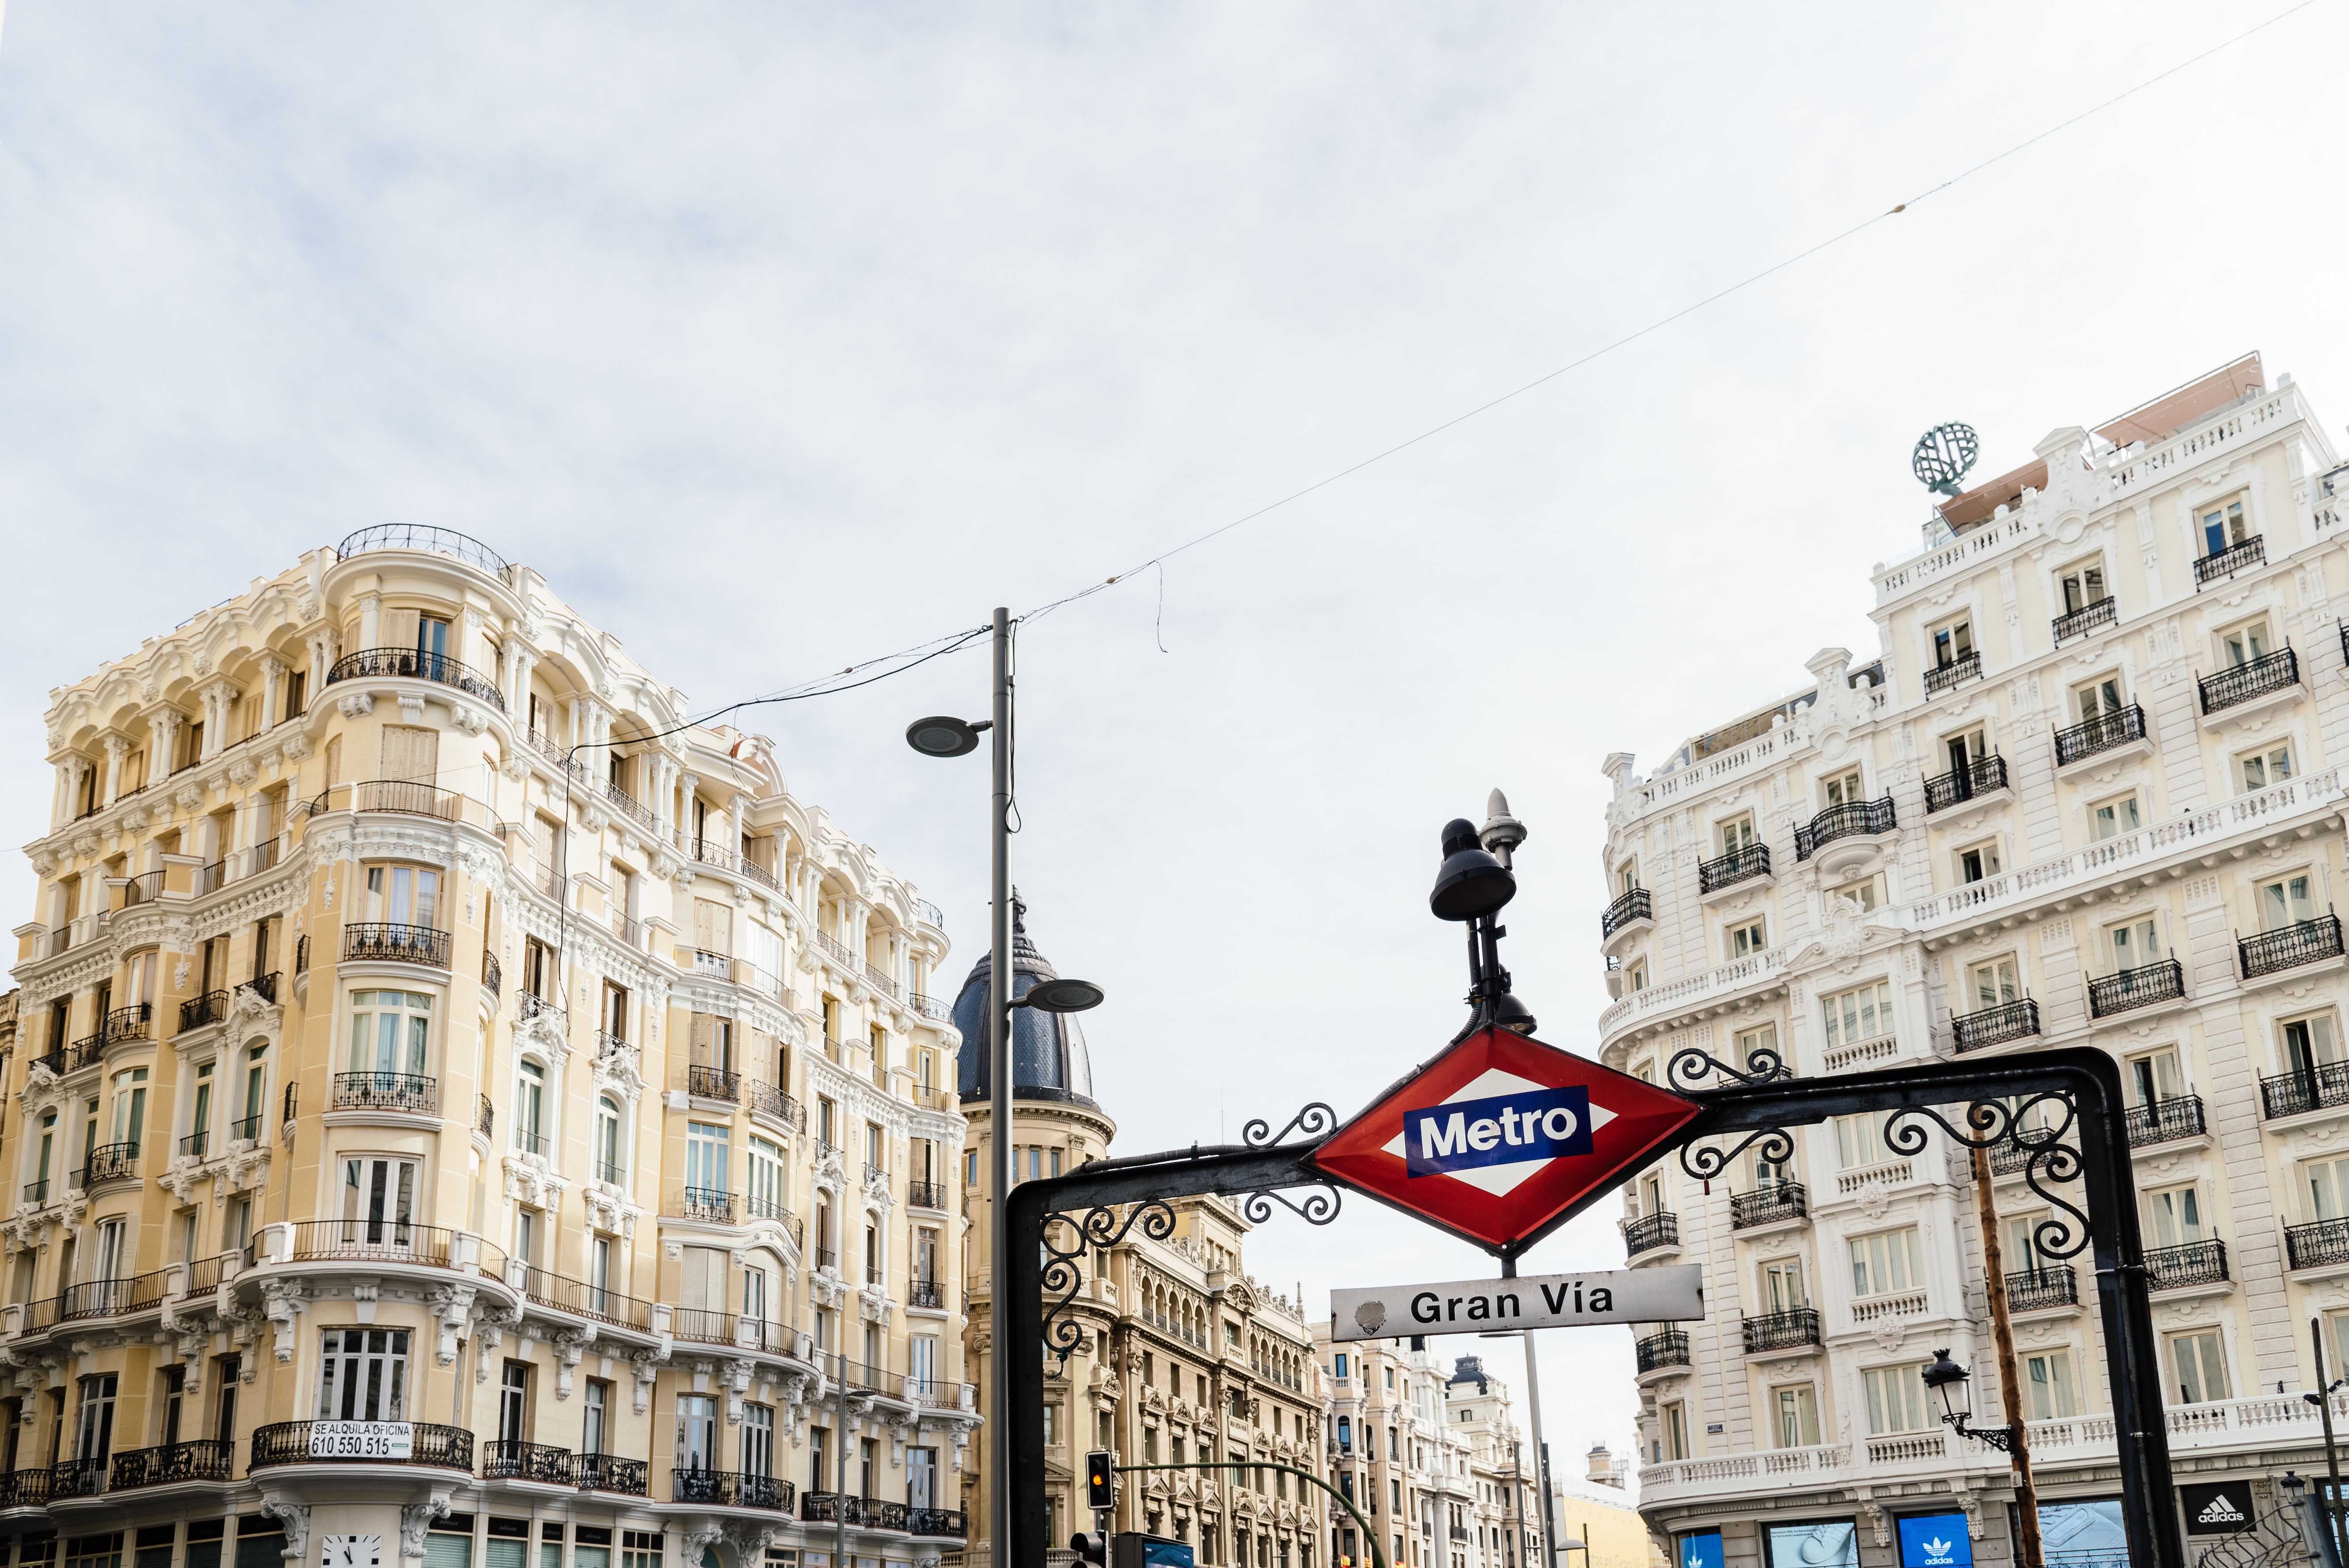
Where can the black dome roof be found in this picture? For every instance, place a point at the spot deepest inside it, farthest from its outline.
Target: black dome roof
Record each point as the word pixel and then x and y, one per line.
pixel 1048 1049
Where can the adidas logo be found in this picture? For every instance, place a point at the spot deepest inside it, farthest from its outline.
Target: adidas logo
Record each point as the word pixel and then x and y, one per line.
pixel 2220 1511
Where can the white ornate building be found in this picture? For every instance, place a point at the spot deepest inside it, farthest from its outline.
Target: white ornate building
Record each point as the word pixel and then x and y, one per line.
pixel 465 1111
pixel 2088 791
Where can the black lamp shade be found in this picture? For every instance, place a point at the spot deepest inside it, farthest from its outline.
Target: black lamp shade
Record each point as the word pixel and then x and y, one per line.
pixel 1470 883
pixel 1512 1015
pixel 942 735
pixel 1062 995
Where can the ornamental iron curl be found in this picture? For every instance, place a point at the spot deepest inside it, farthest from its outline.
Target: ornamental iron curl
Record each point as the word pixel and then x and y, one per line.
pixel 1320 1207
pixel 1316 1120
pixel 1101 1229
pixel 2047 1157
pixel 1690 1066
pixel 1704 1161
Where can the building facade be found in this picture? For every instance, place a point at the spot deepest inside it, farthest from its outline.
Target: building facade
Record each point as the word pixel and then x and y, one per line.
pixel 2088 792
pixel 467 1111
pixel 1179 1357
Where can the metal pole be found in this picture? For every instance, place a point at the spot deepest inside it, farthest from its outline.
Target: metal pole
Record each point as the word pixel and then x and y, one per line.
pixel 2332 1509
pixel 2010 1383
pixel 998 1114
pixel 1541 1447
pixel 840 1495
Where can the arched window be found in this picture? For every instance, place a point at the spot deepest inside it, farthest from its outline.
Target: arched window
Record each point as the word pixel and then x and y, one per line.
pixel 607 1140
pixel 1345 1434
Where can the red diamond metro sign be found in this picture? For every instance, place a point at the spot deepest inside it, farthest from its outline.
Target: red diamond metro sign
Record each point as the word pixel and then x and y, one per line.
pixel 1499 1136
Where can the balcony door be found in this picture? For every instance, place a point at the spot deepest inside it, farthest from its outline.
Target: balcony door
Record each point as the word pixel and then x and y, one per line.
pixel 390 1032
pixel 94 1438
pixel 697 1432
pixel 411 755
pixel 2173 1215
pixel 513 1403
pixel 2245 645
pixel 2326 1182
pixel 130 1107
pixel 2083 586
pixel 758 1440
pixel 1993 984
pixel 378 1203
pixel 2156 1078
pixel 2223 528
pixel 1781 1286
pixel 1964 751
pixel 922 1477
pixel 1843 791
pixel 2309 1044
pixel 2100 700
pixel 365 1377
pixel 402 895
pixel 2285 901
pixel 2135 946
pixel 1737 836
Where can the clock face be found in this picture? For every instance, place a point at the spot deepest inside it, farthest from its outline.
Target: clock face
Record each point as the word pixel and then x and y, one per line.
pixel 351 1551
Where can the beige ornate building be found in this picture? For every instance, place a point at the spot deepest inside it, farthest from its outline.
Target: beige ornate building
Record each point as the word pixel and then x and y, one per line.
pixel 2088 792
pixel 1183 1358
pixel 466 1111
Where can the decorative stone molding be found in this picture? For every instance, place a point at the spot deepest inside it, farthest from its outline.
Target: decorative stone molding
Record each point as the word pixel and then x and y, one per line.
pixel 415 1518
pixel 295 1517
pixel 282 1301
pixel 450 1306
pixel 356 704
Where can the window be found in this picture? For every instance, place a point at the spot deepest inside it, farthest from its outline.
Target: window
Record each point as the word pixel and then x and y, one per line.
pixel 921 1478
pixel 530 1109
pixel 2198 1367
pixel 2245 645
pixel 758 1439
pixel 1797 1412
pixel 1737 834
pixel 256 1085
pixel 94 1440
pixel 598 1414
pixel 2154 1077
pixel 706 1156
pixel 1856 1016
pixel 1636 977
pixel 1781 1286
pixel 697 1432
pixel 1896 1399
pixel 2223 527
pixel 378 1203
pixel 1978 861
pixel 2047 1385
pixel 130 1107
pixel 2098 699
pixel 390 1031
pixel 1862 892
pixel 200 1120
pixel 2259 769
pixel 608 1167
pixel 1338 1369
pixel 2134 944
pixel 402 895
pixel 2285 901
pixel 364 1375
pixel 1964 750
pixel 2309 1043
pixel 764 1196
pixel 2084 585
pixel 2326 1182
pixel 2173 1215
pixel 1673 1420
pixel 2111 818
pixel 1627 878
pixel 1843 789
pixel 1991 985
pixel 1860 1141
pixel 1887 1262
pixel 1743 940
pixel 1751 1041
pixel 513 1403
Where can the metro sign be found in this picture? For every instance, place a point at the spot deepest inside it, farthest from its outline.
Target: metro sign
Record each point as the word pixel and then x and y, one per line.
pixel 1500 1136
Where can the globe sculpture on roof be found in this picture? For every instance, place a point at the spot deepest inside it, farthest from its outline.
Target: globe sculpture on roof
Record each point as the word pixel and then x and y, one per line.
pixel 1943 455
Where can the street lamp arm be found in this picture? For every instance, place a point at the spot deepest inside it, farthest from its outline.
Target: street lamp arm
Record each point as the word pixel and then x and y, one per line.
pixel 1378 1558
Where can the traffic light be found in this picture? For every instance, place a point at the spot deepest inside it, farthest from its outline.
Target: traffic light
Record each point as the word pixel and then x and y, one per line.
pixel 1090 1547
pixel 1101 1482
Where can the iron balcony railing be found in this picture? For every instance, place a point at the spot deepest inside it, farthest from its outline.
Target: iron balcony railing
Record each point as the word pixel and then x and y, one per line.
pixel 2309 1086
pixel 132 1023
pixel 578 1295
pixel 732 1489
pixel 609 1472
pixel 2231 687
pixel 531 1004
pixel 926 1293
pixel 200 1458
pixel 485 1116
pixel 375 1239
pixel 929 1007
pixel 195 1144
pixel 302 954
pixel 77 1478
pixel 2166 1120
pixel 25 1487
pixel 248 1128
pixel 1736 866
pixel 387 1091
pixel 1768 1204
pixel 1633 905
pixel 2317 1245
pixel 38 1192
pixel 2101 733
pixel 713 1083
pixel 404 797
pixel 510 1460
pixel 110 1163
pixel 1850 820
pixel 2015 1020
pixel 1941 677
pixel 945 1523
pixel 826 1258
pixel 1782 1330
pixel 1649 1232
pixel 2161 981
pixel 2253 552
pixel 2051 1285
pixel 144 888
pixel 375 663
pixel 925 1194
pixel 705 1325
pixel 2289 947
pixel 832 1507
pixel 493 978
pixel 110 1297
pixel 197 1011
pixel 2079 623
pixel 707 1203
pixel 2191 1263
pixel 767 1099
pixel 391 942
pixel 1985 775
pixel 348 1442
pixel 628 806
pixel 428 539
pixel 1669 1348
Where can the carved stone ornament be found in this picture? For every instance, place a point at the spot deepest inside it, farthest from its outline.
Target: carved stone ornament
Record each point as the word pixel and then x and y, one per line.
pixel 356 704
pixel 295 1517
pixel 415 1519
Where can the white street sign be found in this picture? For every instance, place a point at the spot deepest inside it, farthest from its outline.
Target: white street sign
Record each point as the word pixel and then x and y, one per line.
pixel 1534 1301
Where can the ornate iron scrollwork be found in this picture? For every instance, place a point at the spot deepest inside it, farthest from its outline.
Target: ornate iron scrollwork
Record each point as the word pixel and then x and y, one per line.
pixel 1316 1120
pixel 1704 1162
pixel 1100 1230
pixel 2046 1156
pixel 1319 1209
pixel 1690 1066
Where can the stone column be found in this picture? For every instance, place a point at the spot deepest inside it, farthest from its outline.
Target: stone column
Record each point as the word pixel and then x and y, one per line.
pixel 371 619
pixel 272 676
pixel 116 748
pixel 220 701
pixel 686 783
pixel 734 809
pixel 162 740
pixel 321 660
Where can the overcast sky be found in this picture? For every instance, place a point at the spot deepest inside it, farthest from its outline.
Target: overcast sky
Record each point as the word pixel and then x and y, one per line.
pixel 778 337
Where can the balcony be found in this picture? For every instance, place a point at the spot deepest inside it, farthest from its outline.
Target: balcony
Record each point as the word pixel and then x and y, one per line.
pixel 387 1091
pixel 926 1195
pixel 144 888
pixel 706 1204
pixel 1959 785
pixel 203 1458
pixel 374 1241
pixel 389 941
pixel 485 1116
pixel 2246 683
pixel 2289 947
pixel 926 1293
pixel 2079 623
pixel 25 1487
pixel 871 1512
pixel 132 1022
pixel 1658 1351
pixel 77 1478
pixel 509 1460
pixel 2310 1086
pixel 360 1443
pixel 1941 677
pixel 1736 866
pixel 2104 732
pixel 2036 1290
pixel 608 1472
pixel 1786 1330
pixel 2253 552
pixel 110 1163
pixel 1632 906
pixel 1649 1232
pixel 197 1144
pixel 2193 1263
pixel 2166 1120
pixel 941 1523
pixel 929 1007
pixel 493 978
pixel 731 1489
pixel 2323 1244
pixel 410 663
pixel 1768 1205
pixel 106 1298
pixel 2144 986
pixel 2014 1020
pixel 38 1192
pixel 713 1083
pixel 1853 818
pixel 585 1300
pixel 210 1008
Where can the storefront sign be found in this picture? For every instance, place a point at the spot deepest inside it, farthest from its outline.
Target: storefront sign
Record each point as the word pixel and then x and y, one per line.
pixel 2222 1508
pixel 1936 1541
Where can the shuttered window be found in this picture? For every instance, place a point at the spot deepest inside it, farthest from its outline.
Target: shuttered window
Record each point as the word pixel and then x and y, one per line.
pixel 445 1551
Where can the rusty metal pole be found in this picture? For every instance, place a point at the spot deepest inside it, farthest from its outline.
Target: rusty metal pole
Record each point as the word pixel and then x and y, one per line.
pixel 2002 1329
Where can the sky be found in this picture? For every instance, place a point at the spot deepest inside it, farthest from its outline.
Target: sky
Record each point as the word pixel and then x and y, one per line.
pixel 781 336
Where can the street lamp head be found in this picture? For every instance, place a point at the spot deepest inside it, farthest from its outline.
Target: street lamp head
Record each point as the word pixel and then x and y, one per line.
pixel 1060 995
pixel 1512 1015
pixel 945 736
pixel 2294 1488
pixel 1470 883
pixel 1944 1375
